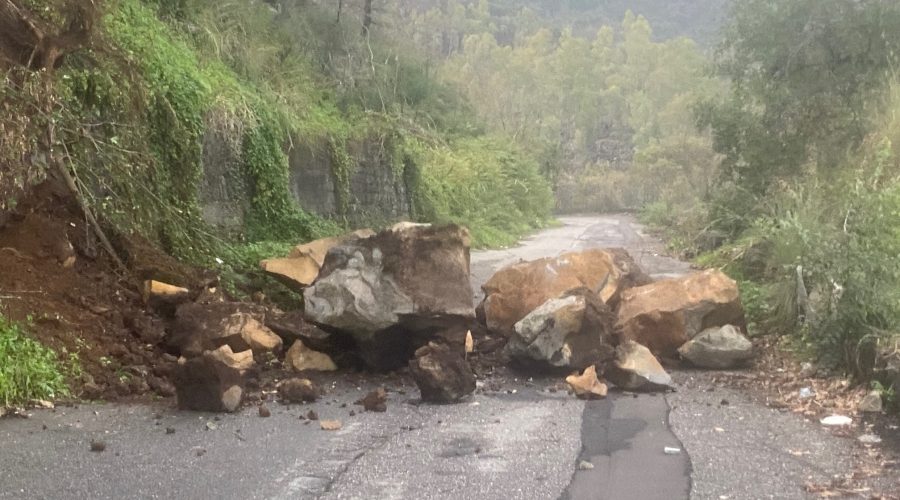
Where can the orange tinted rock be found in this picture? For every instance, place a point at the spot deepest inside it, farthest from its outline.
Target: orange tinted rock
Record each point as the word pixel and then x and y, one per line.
pixel 664 315
pixel 301 267
pixel 516 290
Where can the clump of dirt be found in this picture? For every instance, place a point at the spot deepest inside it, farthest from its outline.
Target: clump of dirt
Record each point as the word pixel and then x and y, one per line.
pixel 56 278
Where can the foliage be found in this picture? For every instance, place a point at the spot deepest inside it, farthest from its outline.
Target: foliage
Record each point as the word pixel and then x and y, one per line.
pixel 484 184
pixel 28 370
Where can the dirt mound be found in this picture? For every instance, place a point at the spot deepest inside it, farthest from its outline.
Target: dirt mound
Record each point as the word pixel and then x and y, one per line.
pixel 54 276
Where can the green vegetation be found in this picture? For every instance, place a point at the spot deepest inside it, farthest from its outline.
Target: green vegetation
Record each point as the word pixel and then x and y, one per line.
pixel 28 370
pixel 805 209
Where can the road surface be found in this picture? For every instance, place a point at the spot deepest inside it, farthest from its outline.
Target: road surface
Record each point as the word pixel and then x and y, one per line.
pixel 513 439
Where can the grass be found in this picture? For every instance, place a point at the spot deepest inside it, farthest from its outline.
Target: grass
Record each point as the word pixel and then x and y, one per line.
pixel 28 370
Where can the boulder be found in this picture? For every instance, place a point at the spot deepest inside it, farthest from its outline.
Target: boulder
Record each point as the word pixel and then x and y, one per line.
pixel 298 390
pixel 213 381
pixel 442 373
pixel 636 369
pixel 301 267
pixel 666 314
pixel 202 327
pixel 516 290
pixel 301 358
pixel 587 385
pixel 574 331
pixel 718 348
pixel 395 291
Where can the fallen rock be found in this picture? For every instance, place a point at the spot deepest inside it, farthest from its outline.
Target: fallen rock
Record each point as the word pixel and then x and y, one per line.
pixel 213 381
pixel 587 385
pixel 330 425
pixel 375 401
pixel 666 314
pixel 264 411
pixel 442 374
pixel 203 327
pixel 516 290
pixel 301 358
pixel 395 291
pixel 573 331
pixel 718 348
pixel 164 292
pixel 97 446
pixel 291 326
pixel 298 390
pixel 258 337
pixel 871 403
pixel 301 267
pixel 636 369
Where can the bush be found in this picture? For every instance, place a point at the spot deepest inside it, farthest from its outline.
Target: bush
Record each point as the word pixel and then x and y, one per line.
pixel 28 370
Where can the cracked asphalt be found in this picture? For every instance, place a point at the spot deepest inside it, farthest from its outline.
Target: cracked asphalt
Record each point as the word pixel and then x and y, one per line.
pixel 516 438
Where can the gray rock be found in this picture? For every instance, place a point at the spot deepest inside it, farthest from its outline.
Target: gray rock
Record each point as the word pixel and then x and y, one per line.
pixel 395 291
pixel 637 369
pixel 718 348
pixel 573 331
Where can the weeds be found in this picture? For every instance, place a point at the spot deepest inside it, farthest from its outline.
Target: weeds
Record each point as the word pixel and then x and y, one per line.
pixel 28 370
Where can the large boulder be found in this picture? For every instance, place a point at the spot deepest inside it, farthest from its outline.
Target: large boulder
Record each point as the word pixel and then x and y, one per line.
pixel 213 381
pixel 395 291
pixel 516 290
pixel 570 332
pixel 718 348
pixel 666 314
pixel 442 373
pixel 299 269
pixel 202 327
pixel 636 369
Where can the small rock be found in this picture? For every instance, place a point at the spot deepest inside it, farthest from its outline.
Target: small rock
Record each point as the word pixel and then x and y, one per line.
pixel 808 370
pixel 375 401
pixel 587 385
pixel 585 465
pixel 806 393
pixel 170 430
pixel 300 358
pixel 669 450
pixel 211 426
pixel 264 411
pixel 97 446
pixel 198 451
pixel 871 403
pixel 298 390
pixel 352 413
pixel 636 369
pixel 312 415
pixel 330 425
pixel 442 374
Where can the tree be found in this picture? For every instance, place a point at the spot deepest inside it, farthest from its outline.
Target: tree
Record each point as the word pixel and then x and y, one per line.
pixel 802 73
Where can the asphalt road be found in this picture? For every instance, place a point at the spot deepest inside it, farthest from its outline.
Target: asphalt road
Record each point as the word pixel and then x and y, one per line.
pixel 513 439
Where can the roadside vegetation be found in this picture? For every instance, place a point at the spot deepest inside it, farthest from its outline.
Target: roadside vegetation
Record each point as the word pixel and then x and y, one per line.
pixel 805 205
pixel 28 370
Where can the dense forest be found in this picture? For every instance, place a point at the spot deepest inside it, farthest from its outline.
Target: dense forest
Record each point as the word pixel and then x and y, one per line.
pixel 762 137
